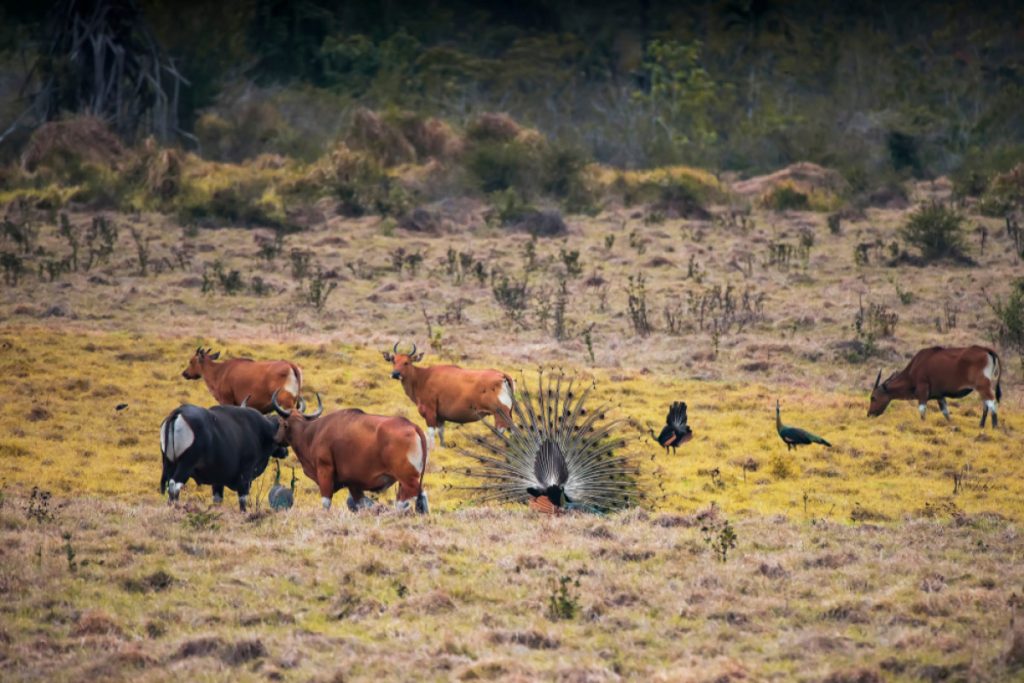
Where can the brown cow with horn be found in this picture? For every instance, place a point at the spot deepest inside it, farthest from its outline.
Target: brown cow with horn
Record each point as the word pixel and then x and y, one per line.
pixel 938 373
pixel 361 452
pixel 448 393
pixel 245 381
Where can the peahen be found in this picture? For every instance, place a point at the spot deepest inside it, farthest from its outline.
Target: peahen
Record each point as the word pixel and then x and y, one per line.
pixel 676 431
pixel 794 436
pixel 556 456
pixel 281 498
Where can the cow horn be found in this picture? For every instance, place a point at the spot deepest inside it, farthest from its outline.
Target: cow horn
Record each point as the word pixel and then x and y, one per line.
pixel 245 401
pixel 394 349
pixel 878 379
pixel 277 406
pixel 301 404
pixel 413 349
pixel 319 408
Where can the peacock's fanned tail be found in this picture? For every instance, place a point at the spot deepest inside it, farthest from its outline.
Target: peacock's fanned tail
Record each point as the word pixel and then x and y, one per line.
pixel 554 440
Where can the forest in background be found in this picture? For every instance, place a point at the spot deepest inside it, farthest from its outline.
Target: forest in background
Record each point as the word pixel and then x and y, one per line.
pixel 880 91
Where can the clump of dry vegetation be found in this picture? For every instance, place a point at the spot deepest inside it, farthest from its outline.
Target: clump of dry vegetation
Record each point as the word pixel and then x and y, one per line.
pixel 467 595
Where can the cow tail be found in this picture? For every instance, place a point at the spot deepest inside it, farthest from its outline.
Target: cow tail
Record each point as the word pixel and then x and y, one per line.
pixel 423 446
pixel 510 385
pixel 168 440
pixel 999 376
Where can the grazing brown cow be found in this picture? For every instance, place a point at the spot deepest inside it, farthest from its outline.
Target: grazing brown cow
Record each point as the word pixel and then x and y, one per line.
pixel 448 393
pixel 239 380
pixel 351 449
pixel 939 373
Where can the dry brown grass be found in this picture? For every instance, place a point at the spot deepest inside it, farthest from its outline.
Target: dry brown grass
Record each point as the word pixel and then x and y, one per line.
pixel 307 595
pixel 918 587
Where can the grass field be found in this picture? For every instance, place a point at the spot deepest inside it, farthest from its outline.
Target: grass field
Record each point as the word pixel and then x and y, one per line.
pixel 855 563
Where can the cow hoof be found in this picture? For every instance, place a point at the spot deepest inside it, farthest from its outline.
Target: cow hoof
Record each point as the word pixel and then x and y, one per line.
pixel 362 504
pixel 217 500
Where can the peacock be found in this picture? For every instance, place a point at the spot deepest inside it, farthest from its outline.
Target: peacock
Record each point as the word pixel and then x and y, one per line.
pixel 676 431
pixel 556 456
pixel 794 436
pixel 279 497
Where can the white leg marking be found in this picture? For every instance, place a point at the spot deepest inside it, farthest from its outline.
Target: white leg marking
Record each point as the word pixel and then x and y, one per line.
pixel 440 433
pixel 430 436
pixel 174 487
pixel 403 505
pixel 217 500
pixel 505 396
pixel 991 405
pixel 921 408
pixel 291 385
pixel 326 503
pixel 416 457
pixel 243 501
pixel 422 504
pixel 945 409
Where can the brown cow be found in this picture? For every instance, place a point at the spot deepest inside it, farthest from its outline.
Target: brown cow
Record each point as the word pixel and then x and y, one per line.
pixel 939 373
pixel 239 380
pixel 448 393
pixel 351 449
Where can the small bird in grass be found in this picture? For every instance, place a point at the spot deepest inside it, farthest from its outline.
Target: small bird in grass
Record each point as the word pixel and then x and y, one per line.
pixel 676 431
pixel 279 497
pixel 794 436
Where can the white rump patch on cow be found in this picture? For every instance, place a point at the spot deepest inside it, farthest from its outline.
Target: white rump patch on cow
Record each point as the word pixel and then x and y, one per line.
pixel 990 368
pixel 181 438
pixel 505 395
pixel 416 456
pixel 291 385
pixel 991 405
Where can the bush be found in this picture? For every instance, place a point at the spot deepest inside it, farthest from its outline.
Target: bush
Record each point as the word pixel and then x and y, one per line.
pixel 785 198
pixel 1009 327
pixel 1005 193
pixel 495 166
pixel 937 230
pixel 676 191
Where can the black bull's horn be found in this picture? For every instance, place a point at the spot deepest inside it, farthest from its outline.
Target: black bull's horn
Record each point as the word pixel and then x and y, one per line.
pixel 285 413
pixel 394 349
pixel 878 379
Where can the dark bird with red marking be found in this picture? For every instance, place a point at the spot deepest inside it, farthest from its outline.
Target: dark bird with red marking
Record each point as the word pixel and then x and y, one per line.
pixel 676 432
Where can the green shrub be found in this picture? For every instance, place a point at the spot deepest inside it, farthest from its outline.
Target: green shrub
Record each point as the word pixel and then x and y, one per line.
pixel 786 198
pixel 1009 323
pixel 240 204
pixel 495 166
pixel 937 230
pixel 1005 193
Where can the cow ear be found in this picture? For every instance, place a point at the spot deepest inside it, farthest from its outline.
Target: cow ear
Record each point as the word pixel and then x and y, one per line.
pixel 387 356
pixel 417 358
pixel 215 356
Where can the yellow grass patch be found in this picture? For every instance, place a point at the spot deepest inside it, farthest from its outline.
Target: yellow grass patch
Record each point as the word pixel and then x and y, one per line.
pixel 61 431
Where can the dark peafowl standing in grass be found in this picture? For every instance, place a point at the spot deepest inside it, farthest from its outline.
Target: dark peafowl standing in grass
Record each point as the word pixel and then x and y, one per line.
pixel 794 436
pixel 676 431
pixel 279 497
pixel 556 456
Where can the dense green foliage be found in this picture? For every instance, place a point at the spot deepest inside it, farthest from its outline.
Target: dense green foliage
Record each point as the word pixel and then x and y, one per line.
pixel 874 89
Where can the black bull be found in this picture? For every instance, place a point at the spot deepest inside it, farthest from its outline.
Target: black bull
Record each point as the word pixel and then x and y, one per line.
pixel 220 446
